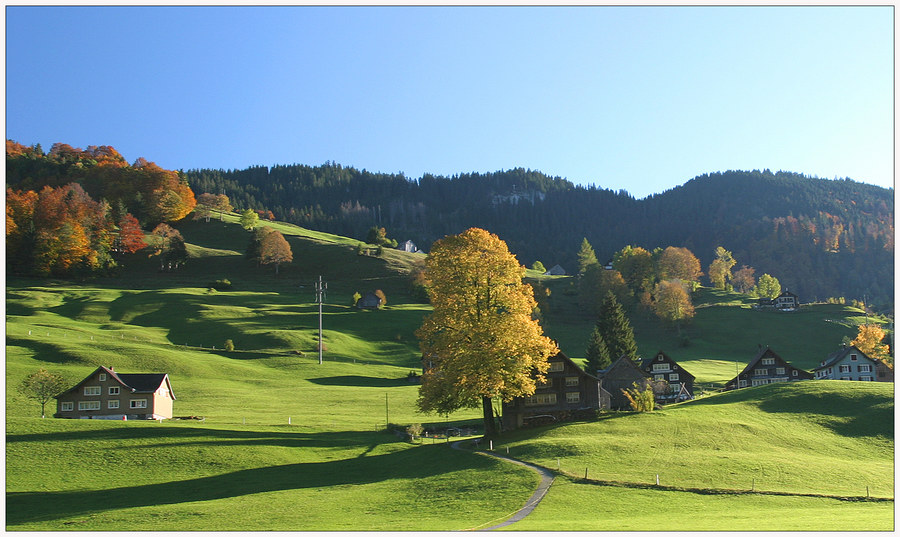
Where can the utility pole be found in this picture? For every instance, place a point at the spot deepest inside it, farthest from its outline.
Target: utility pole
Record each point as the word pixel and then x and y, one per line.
pixel 320 298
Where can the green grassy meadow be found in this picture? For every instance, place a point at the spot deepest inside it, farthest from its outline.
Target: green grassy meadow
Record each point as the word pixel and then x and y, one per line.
pixel 290 444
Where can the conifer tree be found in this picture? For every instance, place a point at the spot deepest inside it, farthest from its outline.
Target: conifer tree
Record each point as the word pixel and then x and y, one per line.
pixel 616 330
pixel 586 256
pixel 597 353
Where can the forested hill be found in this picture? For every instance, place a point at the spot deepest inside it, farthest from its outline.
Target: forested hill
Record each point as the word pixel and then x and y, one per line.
pixel 820 237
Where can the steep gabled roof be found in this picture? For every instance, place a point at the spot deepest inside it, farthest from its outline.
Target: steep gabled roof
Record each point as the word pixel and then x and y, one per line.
pixel 763 351
pixel 134 382
pixel 624 362
pixel 648 362
pixel 839 355
pixel 577 367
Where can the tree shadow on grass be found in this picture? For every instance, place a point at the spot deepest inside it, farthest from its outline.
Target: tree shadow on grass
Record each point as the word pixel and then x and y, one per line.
pixel 45 352
pixel 360 381
pixel 418 463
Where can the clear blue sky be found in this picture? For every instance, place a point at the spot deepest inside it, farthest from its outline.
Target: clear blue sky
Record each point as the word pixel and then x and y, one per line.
pixel 634 98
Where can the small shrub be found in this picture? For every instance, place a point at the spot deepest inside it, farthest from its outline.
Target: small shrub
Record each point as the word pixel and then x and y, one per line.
pixel 221 285
pixel 380 294
pixel 414 431
pixel 641 400
pixel 356 297
pixel 229 345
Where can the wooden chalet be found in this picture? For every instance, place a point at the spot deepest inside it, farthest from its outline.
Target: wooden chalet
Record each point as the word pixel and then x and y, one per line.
pixel 849 363
pixel 621 375
pixel 766 368
pixel 568 393
pixel 672 383
pixel 106 394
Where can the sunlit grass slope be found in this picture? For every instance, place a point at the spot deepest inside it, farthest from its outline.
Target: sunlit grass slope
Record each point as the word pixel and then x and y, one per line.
pixel 812 437
pixel 291 444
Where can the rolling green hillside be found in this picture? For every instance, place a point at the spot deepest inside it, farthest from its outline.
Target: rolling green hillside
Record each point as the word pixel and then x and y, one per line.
pixel 289 444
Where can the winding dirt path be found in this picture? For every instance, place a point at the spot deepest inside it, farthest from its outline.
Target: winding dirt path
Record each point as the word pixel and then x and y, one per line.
pixel 546 480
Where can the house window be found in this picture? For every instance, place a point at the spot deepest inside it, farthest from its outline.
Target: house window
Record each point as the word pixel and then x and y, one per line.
pixel 556 367
pixel 867 378
pixel 760 372
pixel 794 372
pixel 673 376
pixel 547 382
pixel 114 390
pixel 138 403
pixel 573 397
pixel 743 384
pixel 571 381
pixel 779 371
pixel 660 357
pixel 760 382
pixel 659 377
pixel 102 377
pixel 92 390
pixel 768 361
pixel 112 403
pixel 660 367
pixel 865 368
pixel 538 399
pixel 88 405
pixel 845 369
pixel 853 357
pixel 67 406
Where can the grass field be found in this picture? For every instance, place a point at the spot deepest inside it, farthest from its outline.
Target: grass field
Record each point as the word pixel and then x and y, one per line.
pixel 334 468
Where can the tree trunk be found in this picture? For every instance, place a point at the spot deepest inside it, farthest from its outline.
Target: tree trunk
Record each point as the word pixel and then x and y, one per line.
pixel 490 426
pixel 42 409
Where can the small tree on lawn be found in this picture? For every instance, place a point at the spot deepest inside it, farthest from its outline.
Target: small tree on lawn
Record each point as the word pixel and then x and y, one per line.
pixel 768 286
pixel 249 219
pixel 274 248
pixel 42 386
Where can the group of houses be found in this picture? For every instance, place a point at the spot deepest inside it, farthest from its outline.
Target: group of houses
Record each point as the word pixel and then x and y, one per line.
pixel 569 392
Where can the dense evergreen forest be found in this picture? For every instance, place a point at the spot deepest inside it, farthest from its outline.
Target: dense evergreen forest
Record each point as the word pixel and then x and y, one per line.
pixel 821 238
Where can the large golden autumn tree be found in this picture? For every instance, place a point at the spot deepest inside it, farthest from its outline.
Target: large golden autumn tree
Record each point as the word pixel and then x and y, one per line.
pixel 870 340
pixel 481 338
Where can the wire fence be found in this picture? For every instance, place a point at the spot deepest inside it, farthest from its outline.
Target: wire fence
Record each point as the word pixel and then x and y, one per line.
pixel 728 484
